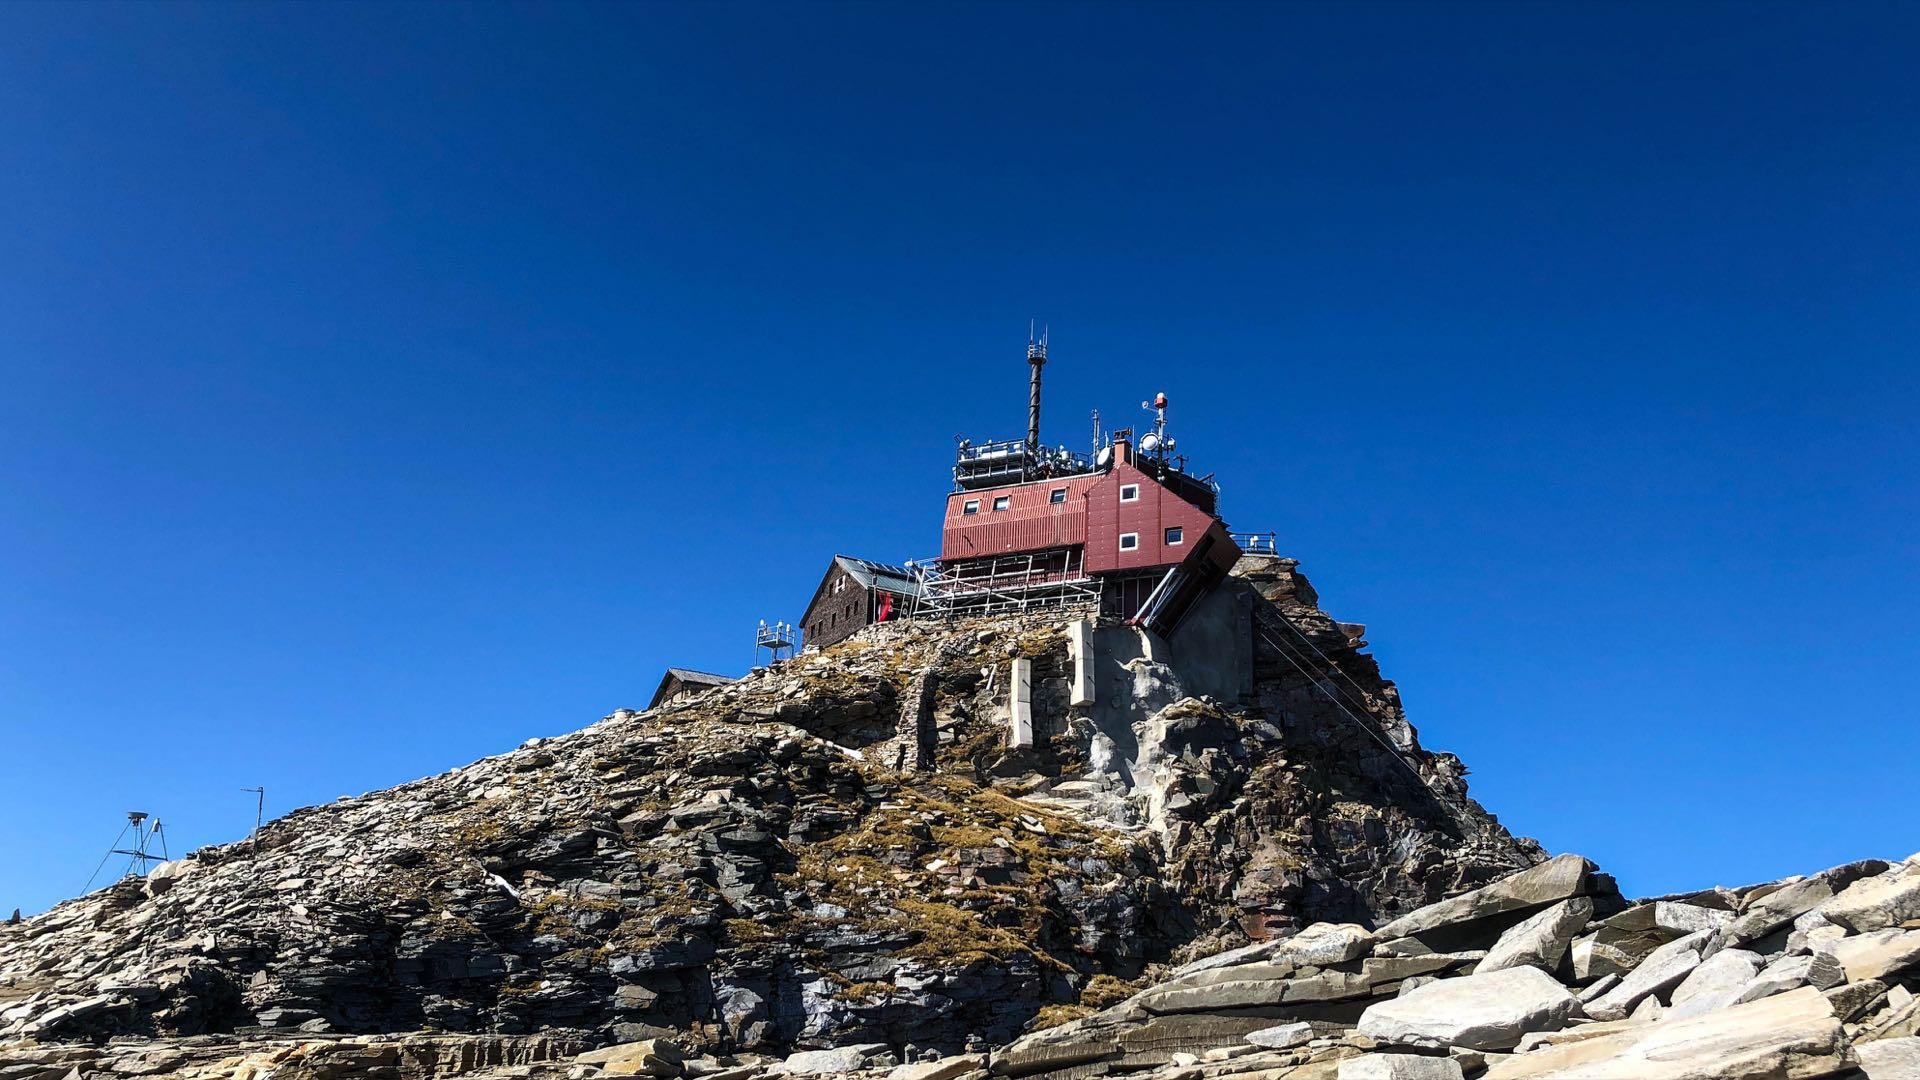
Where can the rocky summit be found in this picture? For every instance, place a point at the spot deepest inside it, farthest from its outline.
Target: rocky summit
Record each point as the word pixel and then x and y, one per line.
pixel 1036 845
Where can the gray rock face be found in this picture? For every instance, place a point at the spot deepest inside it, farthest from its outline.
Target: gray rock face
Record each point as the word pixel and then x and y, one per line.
pixel 1875 903
pixel 1778 908
pixel 1542 940
pixel 1680 918
pixel 1484 1012
pixel 1716 983
pixel 1790 1035
pixel 843 1059
pixel 947 1068
pixel 1779 976
pixel 1890 1059
pixel 1559 878
pixel 1282 1036
pixel 1326 943
pixel 1663 968
pixel 1880 952
pixel 1399 1067
pixel 1694 1008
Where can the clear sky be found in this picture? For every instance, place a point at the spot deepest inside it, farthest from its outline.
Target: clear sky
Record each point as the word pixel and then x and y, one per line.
pixel 382 386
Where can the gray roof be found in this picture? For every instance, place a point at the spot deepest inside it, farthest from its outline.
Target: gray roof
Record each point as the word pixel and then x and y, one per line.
pixel 687 677
pixel 708 678
pixel 873 575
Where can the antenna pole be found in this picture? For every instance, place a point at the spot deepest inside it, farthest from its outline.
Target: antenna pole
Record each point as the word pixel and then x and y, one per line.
pixel 1037 358
pixel 259 812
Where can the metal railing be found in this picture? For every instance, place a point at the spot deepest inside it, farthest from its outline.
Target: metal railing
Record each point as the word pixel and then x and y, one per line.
pixel 1003 583
pixel 1009 461
pixel 1257 543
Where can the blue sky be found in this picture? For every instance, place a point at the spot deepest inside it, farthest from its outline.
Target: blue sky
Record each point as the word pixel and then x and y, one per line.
pixel 383 386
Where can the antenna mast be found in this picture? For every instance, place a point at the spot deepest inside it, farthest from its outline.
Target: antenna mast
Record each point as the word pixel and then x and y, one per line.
pixel 1037 357
pixel 259 812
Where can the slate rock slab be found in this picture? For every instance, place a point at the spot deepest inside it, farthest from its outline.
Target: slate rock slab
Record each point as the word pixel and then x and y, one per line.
pixel 1542 940
pixel 1489 1011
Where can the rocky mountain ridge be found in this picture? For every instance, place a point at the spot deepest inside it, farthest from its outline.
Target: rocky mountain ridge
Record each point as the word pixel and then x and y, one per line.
pixel 842 850
pixel 1543 975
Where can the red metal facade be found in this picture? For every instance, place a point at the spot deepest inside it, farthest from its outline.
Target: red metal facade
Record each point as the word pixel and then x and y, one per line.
pixel 1032 521
pixel 1147 517
pixel 1091 513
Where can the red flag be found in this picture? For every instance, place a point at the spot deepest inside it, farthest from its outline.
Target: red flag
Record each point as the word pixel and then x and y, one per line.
pixel 886 607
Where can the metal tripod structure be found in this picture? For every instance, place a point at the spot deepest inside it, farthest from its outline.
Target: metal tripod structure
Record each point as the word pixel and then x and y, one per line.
pixel 139 852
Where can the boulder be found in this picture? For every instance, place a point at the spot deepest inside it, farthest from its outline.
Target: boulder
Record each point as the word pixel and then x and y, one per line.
pixel 1048 1051
pixel 1213 997
pixel 647 1057
pixel 168 874
pixel 840 1059
pixel 1541 940
pixel 1776 909
pixel 1779 976
pixel 1611 950
pixel 1716 983
pixel 1874 903
pixel 1559 878
pixel 1787 1037
pixel 1851 1001
pixel 1678 918
pixel 1889 1059
pixel 946 1068
pixel 1325 943
pixel 1489 1011
pixel 1282 1036
pixel 1399 1067
pixel 1665 967
pixel 1881 952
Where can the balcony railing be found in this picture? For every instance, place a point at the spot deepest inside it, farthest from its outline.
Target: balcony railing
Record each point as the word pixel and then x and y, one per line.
pixel 1257 543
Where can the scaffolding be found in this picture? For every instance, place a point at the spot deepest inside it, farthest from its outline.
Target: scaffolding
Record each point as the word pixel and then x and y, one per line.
pixel 1001 584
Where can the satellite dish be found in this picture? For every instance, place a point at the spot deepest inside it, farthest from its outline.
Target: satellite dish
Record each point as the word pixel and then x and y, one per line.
pixel 1149 441
pixel 1101 459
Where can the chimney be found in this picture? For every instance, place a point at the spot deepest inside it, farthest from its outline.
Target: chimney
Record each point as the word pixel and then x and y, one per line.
pixel 1037 357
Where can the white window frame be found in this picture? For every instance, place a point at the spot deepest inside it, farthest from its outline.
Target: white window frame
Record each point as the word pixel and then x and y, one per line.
pixel 1056 496
pixel 970 508
pixel 1124 537
pixel 1175 541
pixel 1002 502
pixel 1125 488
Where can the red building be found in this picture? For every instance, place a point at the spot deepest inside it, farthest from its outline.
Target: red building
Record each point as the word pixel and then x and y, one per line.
pixel 1030 525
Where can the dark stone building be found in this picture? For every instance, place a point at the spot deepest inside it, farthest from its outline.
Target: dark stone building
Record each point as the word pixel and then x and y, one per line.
pixel 682 682
pixel 856 593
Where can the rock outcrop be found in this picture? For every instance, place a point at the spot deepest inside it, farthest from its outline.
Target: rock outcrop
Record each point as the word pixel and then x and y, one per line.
pixel 1333 1002
pixel 1697 1004
pixel 840 851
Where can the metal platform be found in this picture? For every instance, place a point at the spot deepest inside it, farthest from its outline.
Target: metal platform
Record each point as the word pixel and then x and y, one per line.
pixel 1005 583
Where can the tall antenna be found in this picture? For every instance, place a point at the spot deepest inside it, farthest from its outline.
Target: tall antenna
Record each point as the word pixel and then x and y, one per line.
pixel 1037 358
